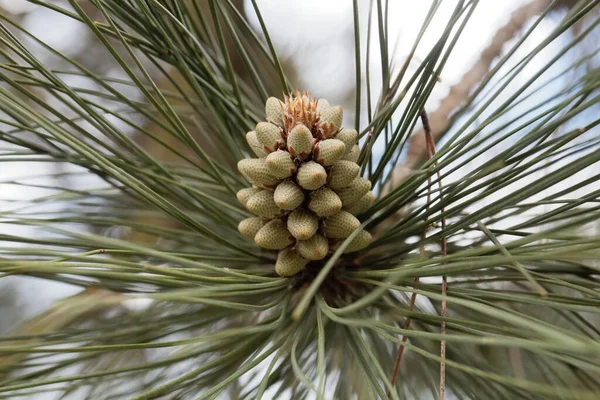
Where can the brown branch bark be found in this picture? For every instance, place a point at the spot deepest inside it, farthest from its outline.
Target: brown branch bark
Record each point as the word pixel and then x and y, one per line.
pixel 459 93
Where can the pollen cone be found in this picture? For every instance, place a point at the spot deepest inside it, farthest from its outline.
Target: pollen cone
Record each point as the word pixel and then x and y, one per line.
pixel 331 119
pixel 315 248
pixel 340 225
pixel 288 195
pixel 328 151
pixel 280 164
pixel 311 175
pixel 342 173
pixel 255 170
pixel 263 204
pixel 302 224
pixel 353 192
pixel 244 194
pixel 349 137
pixel 300 142
pixel 250 226
pixel 360 241
pixel 324 202
pixel 269 136
pixel 353 154
pixel 362 204
pixel 273 111
pixel 273 236
pixel 289 263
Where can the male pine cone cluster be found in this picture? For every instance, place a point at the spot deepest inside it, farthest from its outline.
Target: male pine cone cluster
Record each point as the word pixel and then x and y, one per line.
pixel 306 189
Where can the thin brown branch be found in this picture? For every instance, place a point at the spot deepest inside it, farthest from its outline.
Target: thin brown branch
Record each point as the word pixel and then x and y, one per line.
pixel 413 297
pixel 443 342
pixel 430 153
pixel 401 348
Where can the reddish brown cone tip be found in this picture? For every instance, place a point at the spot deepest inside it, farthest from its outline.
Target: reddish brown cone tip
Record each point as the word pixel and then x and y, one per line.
pixel 300 108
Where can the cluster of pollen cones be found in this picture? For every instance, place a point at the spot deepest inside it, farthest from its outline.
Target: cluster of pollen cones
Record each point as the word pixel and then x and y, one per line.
pixel 306 189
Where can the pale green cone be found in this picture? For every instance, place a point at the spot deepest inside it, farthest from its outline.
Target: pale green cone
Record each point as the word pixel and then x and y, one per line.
pixel 300 141
pixel 263 204
pixel 244 194
pixel 331 120
pixel 274 236
pixel 360 241
pixel 324 202
pixel 353 192
pixel 255 170
pixel 362 204
pixel 342 173
pixel 353 154
pixel 340 225
pixel 315 248
pixel 269 136
pixel 302 224
pixel 288 195
pixel 274 111
pixel 289 263
pixel 255 145
pixel 280 164
pixel 311 175
pixel 349 137
pixel 250 226
pixel 328 151
pixel 322 105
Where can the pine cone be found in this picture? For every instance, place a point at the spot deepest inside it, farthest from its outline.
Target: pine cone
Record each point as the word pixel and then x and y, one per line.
pixel 306 185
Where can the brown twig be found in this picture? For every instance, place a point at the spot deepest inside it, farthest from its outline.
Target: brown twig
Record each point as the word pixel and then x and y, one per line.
pixel 430 153
pixel 401 347
pixel 413 298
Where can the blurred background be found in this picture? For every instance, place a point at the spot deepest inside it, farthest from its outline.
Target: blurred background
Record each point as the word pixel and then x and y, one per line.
pixel 315 40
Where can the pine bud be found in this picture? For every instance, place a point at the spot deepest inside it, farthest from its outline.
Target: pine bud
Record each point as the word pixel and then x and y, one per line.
pixel 269 136
pixel 328 151
pixel 342 173
pixel 280 164
pixel 360 241
pixel 244 194
pixel 288 195
pixel 315 248
pixel 322 105
pixel 289 263
pixel 324 202
pixel 273 236
pixel 311 176
pixel 362 204
pixel 263 205
pixel 274 111
pixel 302 224
pixel 257 172
pixel 353 192
pixel 255 145
pixel 353 154
pixel 340 225
pixel 331 119
pixel 349 137
pixel 300 141
pixel 249 226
